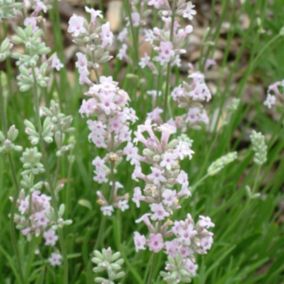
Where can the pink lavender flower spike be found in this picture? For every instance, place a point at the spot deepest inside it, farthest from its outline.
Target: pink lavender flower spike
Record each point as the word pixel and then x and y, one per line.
pixel 274 93
pixel 192 96
pixel 109 122
pixel 165 185
pixel 55 259
pixel 94 39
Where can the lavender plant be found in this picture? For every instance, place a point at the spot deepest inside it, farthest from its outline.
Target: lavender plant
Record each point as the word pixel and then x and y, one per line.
pixel 126 127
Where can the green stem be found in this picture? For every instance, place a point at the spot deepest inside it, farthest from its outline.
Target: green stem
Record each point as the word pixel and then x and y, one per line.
pixel 135 36
pixel 15 182
pixel 36 104
pixel 100 233
pixel 169 69
pixel 149 273
pixel 198 183
pixel 12 227
pixel 52 183
pixel 3 106
pixel 256 180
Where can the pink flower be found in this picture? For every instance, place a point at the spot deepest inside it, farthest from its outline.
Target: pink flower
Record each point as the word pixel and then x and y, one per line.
pixel 40 6
pixel 139 241
pixel 205 222
pixel 197 115
pixel 137 196
pixel 270 101
pixel 76 25
pixel 82 61
pixel 184 149
pixel 156 3
pixel 99 163
pixel 169 159
pixel 158 212
pixel 182 179
pixel 55 259
pixel 155 115
pixel 165 52
pixel 166 130
pixel 32 22
pixel 205 242
pixel 170 197
pixel 172 247
pixel 23 206
pixel 107 210
pixel 146 220
pixel 156 176
pixel 50 237
pixel 191 266
pixel 189 11
pixel 88 107
pixel 40 219
pixel 94 14
pixel 156 242
pixel 82 66
pixel 56 63
pixel 137 173
pixel 200 90
pixel 106 35
pixel 122 205
pixel 135 17
pixel 178 92
pixel 122 53
pixel 131 153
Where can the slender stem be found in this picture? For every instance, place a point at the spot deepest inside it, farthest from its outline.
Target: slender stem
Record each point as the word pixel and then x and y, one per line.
pixel 110 196
pixel 3 106
pixel 150 269
pixel 254 62
pixel 198 183
pixel 135 36
pixel 13 207
pixel 15 182
pixel 168 75
pixel 52 183
pixel 256 178
pixel 216 33
pixel 100 233
pixel 36 103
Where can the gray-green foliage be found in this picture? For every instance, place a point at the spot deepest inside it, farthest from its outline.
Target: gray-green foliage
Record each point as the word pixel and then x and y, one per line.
pixel 31 159
pixel 33 67
pixel 5 49
pixel 259 147
pixel 7 142
pixel 56 127
pixel 175 272
pixel 110 263
pixel 221 163
pixel 9 8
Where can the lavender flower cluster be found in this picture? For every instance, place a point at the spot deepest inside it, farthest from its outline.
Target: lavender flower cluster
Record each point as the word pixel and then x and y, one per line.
pixel 155 149
pixel 158 167
pixel 165 187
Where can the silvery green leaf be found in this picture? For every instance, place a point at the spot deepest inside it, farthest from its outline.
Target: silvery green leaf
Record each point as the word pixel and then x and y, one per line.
pixel 61 210
pixel 221 163
pixel 5 49
pixel 85 203
pixel 120 274
pixel 47 130
pixel 67 222
pixel 31 132
pixel 17 148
